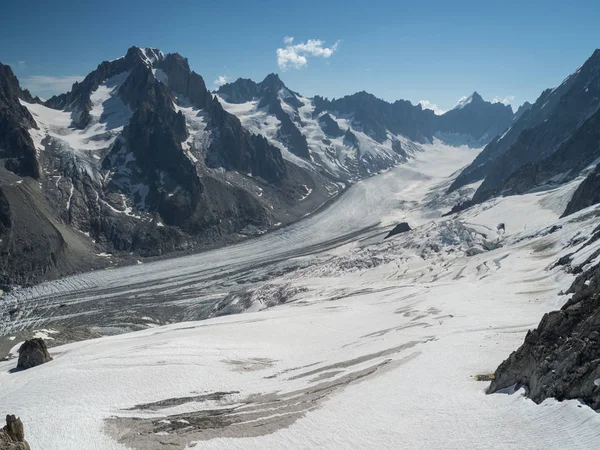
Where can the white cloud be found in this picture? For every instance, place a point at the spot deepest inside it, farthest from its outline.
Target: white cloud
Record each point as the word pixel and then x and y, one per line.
pixel 221 80
pixel 426 104
pixel 46 84
pixel 296 56
pixel 504 100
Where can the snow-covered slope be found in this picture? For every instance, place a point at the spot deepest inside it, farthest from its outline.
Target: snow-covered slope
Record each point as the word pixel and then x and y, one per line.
pixel 347 158
pixel 137 160
pixel 357 135
pixel 355 343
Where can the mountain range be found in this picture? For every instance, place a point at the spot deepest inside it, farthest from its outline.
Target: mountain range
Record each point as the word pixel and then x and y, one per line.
pixel 550 143
pixel 140 159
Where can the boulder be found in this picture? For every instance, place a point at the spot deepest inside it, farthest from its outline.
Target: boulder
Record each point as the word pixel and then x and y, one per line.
pixel 33 353
pixel 12 436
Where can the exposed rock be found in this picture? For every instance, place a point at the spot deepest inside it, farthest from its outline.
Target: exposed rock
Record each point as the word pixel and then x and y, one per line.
pixel 33 353
pixel 476 120
pixel 522 110
pixel 17 151
pixel 402 227
pixel 350 139
pixel 539 132
pixel 376 117
pixel 330 126
pixel 183 80
pixel 576 153
pixel 561 357
pixel 77 100
pixel 587 194
pixel 12 436
pixel 270 93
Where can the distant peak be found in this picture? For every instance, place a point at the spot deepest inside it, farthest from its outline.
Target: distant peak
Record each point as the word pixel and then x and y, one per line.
pixel 475 97
pixel 273 82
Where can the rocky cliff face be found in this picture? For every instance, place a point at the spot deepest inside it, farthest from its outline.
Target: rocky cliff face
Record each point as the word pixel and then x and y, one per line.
pixel 270 94
pixel 17 151
pixel 138 158
pixel 540 131
pixel 12 435
pixel 377 118
pixel 575 154
pixel 359 134
pixel 587 194
pixel 561 357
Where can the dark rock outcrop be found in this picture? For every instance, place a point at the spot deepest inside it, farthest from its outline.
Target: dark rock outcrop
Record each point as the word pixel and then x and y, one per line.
pixel 33 353
pixel 350 139
pixel 402 227
pixel 241 90
pixel 522 110
pixel 330 127
pixel 587 194
pixel 375 117
pixel 16 147
pixel 565 164
pixel 184 81
pixel 12 435
pixel 539 132
pixel 270 93
pixel 561 357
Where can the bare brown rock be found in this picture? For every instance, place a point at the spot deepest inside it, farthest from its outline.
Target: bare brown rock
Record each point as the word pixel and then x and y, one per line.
pixel 12 436
pixel 33 353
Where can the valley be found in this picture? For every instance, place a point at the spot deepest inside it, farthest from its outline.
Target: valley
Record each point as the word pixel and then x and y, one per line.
pixel 202 268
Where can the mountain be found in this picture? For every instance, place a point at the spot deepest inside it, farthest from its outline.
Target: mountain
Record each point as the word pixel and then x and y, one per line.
pixel 547 126
pixel 568 162
pixel 356 135
pixel 522 110
pixel 587 193
pixel 16 146
pixel 138 158
pixel 473 121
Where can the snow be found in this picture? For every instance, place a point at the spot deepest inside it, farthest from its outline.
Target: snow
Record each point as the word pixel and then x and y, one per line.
pixel 375 346
pixel 259 121
pixel 108 117
pixel 199 138
pixel 308 192
pixel 332 155
pixel 71 189
pixel 464 101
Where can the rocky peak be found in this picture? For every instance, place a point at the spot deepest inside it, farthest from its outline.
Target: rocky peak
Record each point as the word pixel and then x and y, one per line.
pixel 522 110
pixel 148 56
pixel 272 82
pixel 182 80
pixel 16 147
pixel 10 93
pixel 471 101
pixel 241 90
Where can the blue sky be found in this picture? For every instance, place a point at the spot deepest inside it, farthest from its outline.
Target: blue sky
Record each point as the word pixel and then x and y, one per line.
pixel 426 50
